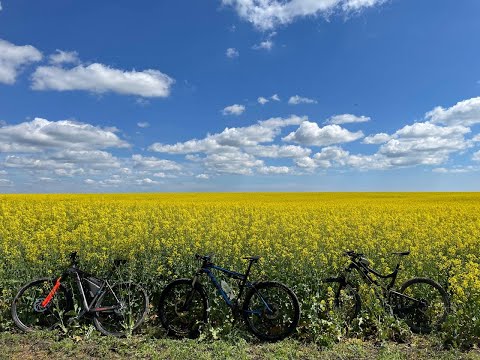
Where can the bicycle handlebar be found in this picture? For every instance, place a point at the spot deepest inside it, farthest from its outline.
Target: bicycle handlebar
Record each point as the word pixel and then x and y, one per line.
pixel 203 257
pixel 352 254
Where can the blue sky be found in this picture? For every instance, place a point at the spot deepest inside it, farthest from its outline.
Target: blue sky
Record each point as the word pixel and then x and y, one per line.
pixel 239 95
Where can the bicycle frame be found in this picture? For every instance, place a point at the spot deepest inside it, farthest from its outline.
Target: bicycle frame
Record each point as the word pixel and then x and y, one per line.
pixel 364 271
pixel 206 269
pixel 78 275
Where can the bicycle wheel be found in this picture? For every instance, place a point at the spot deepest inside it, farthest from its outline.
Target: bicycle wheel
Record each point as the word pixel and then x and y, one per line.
pixel 426 306
pixel 182 309
pixel 347 303
pixel 130 302
pixel 271 311
pixel 28 312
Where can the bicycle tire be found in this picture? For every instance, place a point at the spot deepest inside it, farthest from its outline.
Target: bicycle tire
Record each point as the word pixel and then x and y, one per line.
pixel 346 301
pixel 169 311
pixel 120 323
pixel 63 299
pixel 445 300
pixel 272 317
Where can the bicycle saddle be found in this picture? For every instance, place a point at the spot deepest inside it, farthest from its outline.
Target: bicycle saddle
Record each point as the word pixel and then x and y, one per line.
pixel 252 258
pixel 401 253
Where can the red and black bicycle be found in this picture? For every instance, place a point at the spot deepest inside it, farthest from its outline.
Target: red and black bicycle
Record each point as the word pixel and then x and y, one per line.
pixel 116 309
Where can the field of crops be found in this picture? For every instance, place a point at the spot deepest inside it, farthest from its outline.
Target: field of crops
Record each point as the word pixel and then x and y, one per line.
pixel 301 237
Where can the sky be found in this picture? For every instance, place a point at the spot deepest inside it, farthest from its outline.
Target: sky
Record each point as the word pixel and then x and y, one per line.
pixel 239 95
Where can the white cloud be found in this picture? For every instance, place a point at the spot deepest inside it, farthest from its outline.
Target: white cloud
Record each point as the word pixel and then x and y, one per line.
pixel 234 109
pixel 99 78
pixel 425 129
pixel 3 172
pixel 235 162
pixel 202 176
pixel 379 138
pixel 40 134
pixel 275 97
pixel 465 113
pixel 1 8
pixel 309 133
pixel 460 170
pixel 262 100
pixel 64 57
pixel 146 181
pixel 347 119
pixel 163 175
pixel 306 162
pixel 24 162
pixel 276 151
pixel 5 182
pixel 476 156
pixel 13 58
pixel 264 45
pixel 151 162
pixel 231 138
pixel 268 14
pixel 295 100
pixel 424 143
pixel 232 53
pixel 95 159
pixel 143 124
pixel 273 170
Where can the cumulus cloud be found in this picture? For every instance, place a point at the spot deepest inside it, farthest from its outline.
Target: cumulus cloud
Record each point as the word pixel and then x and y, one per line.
pixel 309 133
pixel 476 156
pixel 234 109
pixel 146 181
pixel 13 58
pixel 99 78
pixel 276 151
pixel 262 100
pixel 151 162
pixel 234 162
pixel 347 119
pixel 232 53
pixel 379 138
pixel 273 170
pixel 64 57
pixel 275 97
pixel 268 14
pixel 295 100
pixel 235 150
pixel 40 134
pixel 465 113
pixel 202 176
pixel 231 138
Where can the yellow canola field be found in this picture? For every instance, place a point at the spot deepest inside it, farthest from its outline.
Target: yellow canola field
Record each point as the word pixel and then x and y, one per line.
pixel 301 237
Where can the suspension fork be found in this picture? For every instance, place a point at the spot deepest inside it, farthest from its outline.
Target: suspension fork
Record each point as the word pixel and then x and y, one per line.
pixel 51 294
pixel 189 298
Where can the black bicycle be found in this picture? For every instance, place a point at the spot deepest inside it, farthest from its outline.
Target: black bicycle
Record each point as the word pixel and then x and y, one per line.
pixel 117 309
pixel 421 302
pixel 270 309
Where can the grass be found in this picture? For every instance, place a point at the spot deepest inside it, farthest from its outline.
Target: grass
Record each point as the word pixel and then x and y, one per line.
pixel 49 345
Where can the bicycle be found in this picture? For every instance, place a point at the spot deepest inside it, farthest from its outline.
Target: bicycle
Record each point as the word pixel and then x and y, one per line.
pixel 47 303
pixel 421 302
pixel 270 309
